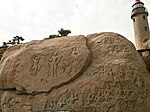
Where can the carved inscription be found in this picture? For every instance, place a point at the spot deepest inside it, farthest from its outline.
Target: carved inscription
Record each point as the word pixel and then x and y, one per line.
pixel 51 67
pixel 57 63
pixel 106 48
pixel 52 63
pixel 122 90
pixel 14 104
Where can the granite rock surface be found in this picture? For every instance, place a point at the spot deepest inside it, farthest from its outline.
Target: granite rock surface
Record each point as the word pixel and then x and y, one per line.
pixel 100 72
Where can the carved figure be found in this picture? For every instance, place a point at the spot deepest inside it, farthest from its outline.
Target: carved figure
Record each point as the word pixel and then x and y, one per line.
pixel 34 68
pixel 54 61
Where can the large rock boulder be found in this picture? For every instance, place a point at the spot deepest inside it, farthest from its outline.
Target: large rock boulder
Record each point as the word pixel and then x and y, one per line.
pixel 101 72
pixel 40 66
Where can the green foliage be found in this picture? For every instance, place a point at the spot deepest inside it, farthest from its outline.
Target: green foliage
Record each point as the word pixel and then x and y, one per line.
pixel 5 44
pixel 15 40
pixel 53 36
pixel 61 33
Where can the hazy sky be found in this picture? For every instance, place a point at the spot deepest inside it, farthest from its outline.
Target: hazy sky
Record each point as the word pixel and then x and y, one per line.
pixel 37 19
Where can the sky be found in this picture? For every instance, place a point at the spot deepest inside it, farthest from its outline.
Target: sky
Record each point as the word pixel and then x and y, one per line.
pixel 37 19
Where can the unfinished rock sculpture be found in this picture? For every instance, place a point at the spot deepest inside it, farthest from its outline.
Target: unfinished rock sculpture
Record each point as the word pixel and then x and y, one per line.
pixel 101 72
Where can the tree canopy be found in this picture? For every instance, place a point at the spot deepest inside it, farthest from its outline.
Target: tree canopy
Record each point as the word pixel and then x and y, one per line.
pixel 15 40
pixel 61 33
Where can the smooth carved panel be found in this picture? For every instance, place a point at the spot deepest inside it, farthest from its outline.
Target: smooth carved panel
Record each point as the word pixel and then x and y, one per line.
pixel 50 64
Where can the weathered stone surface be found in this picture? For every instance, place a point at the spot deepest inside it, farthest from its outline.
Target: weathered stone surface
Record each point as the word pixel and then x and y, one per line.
pixel 145 53
pixel 40 66
pixel 112 78
pixel 146 43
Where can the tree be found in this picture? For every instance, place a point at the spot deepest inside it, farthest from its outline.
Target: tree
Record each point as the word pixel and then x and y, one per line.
pixel 5 44
pixel 53 36
pixel 63 32
pixel 15 40
pixel 11 42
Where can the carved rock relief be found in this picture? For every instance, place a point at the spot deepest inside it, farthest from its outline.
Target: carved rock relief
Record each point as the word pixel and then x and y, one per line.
pixel 113 91
pixel 114 81
pixel 118 85
pixel 52 66
pixel 111 46
pixel 12 102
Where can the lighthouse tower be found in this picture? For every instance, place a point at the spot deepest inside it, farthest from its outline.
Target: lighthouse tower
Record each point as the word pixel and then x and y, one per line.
pixel 140 22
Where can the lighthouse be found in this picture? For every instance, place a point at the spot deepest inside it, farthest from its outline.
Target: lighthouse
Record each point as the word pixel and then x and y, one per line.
pixel 140 22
